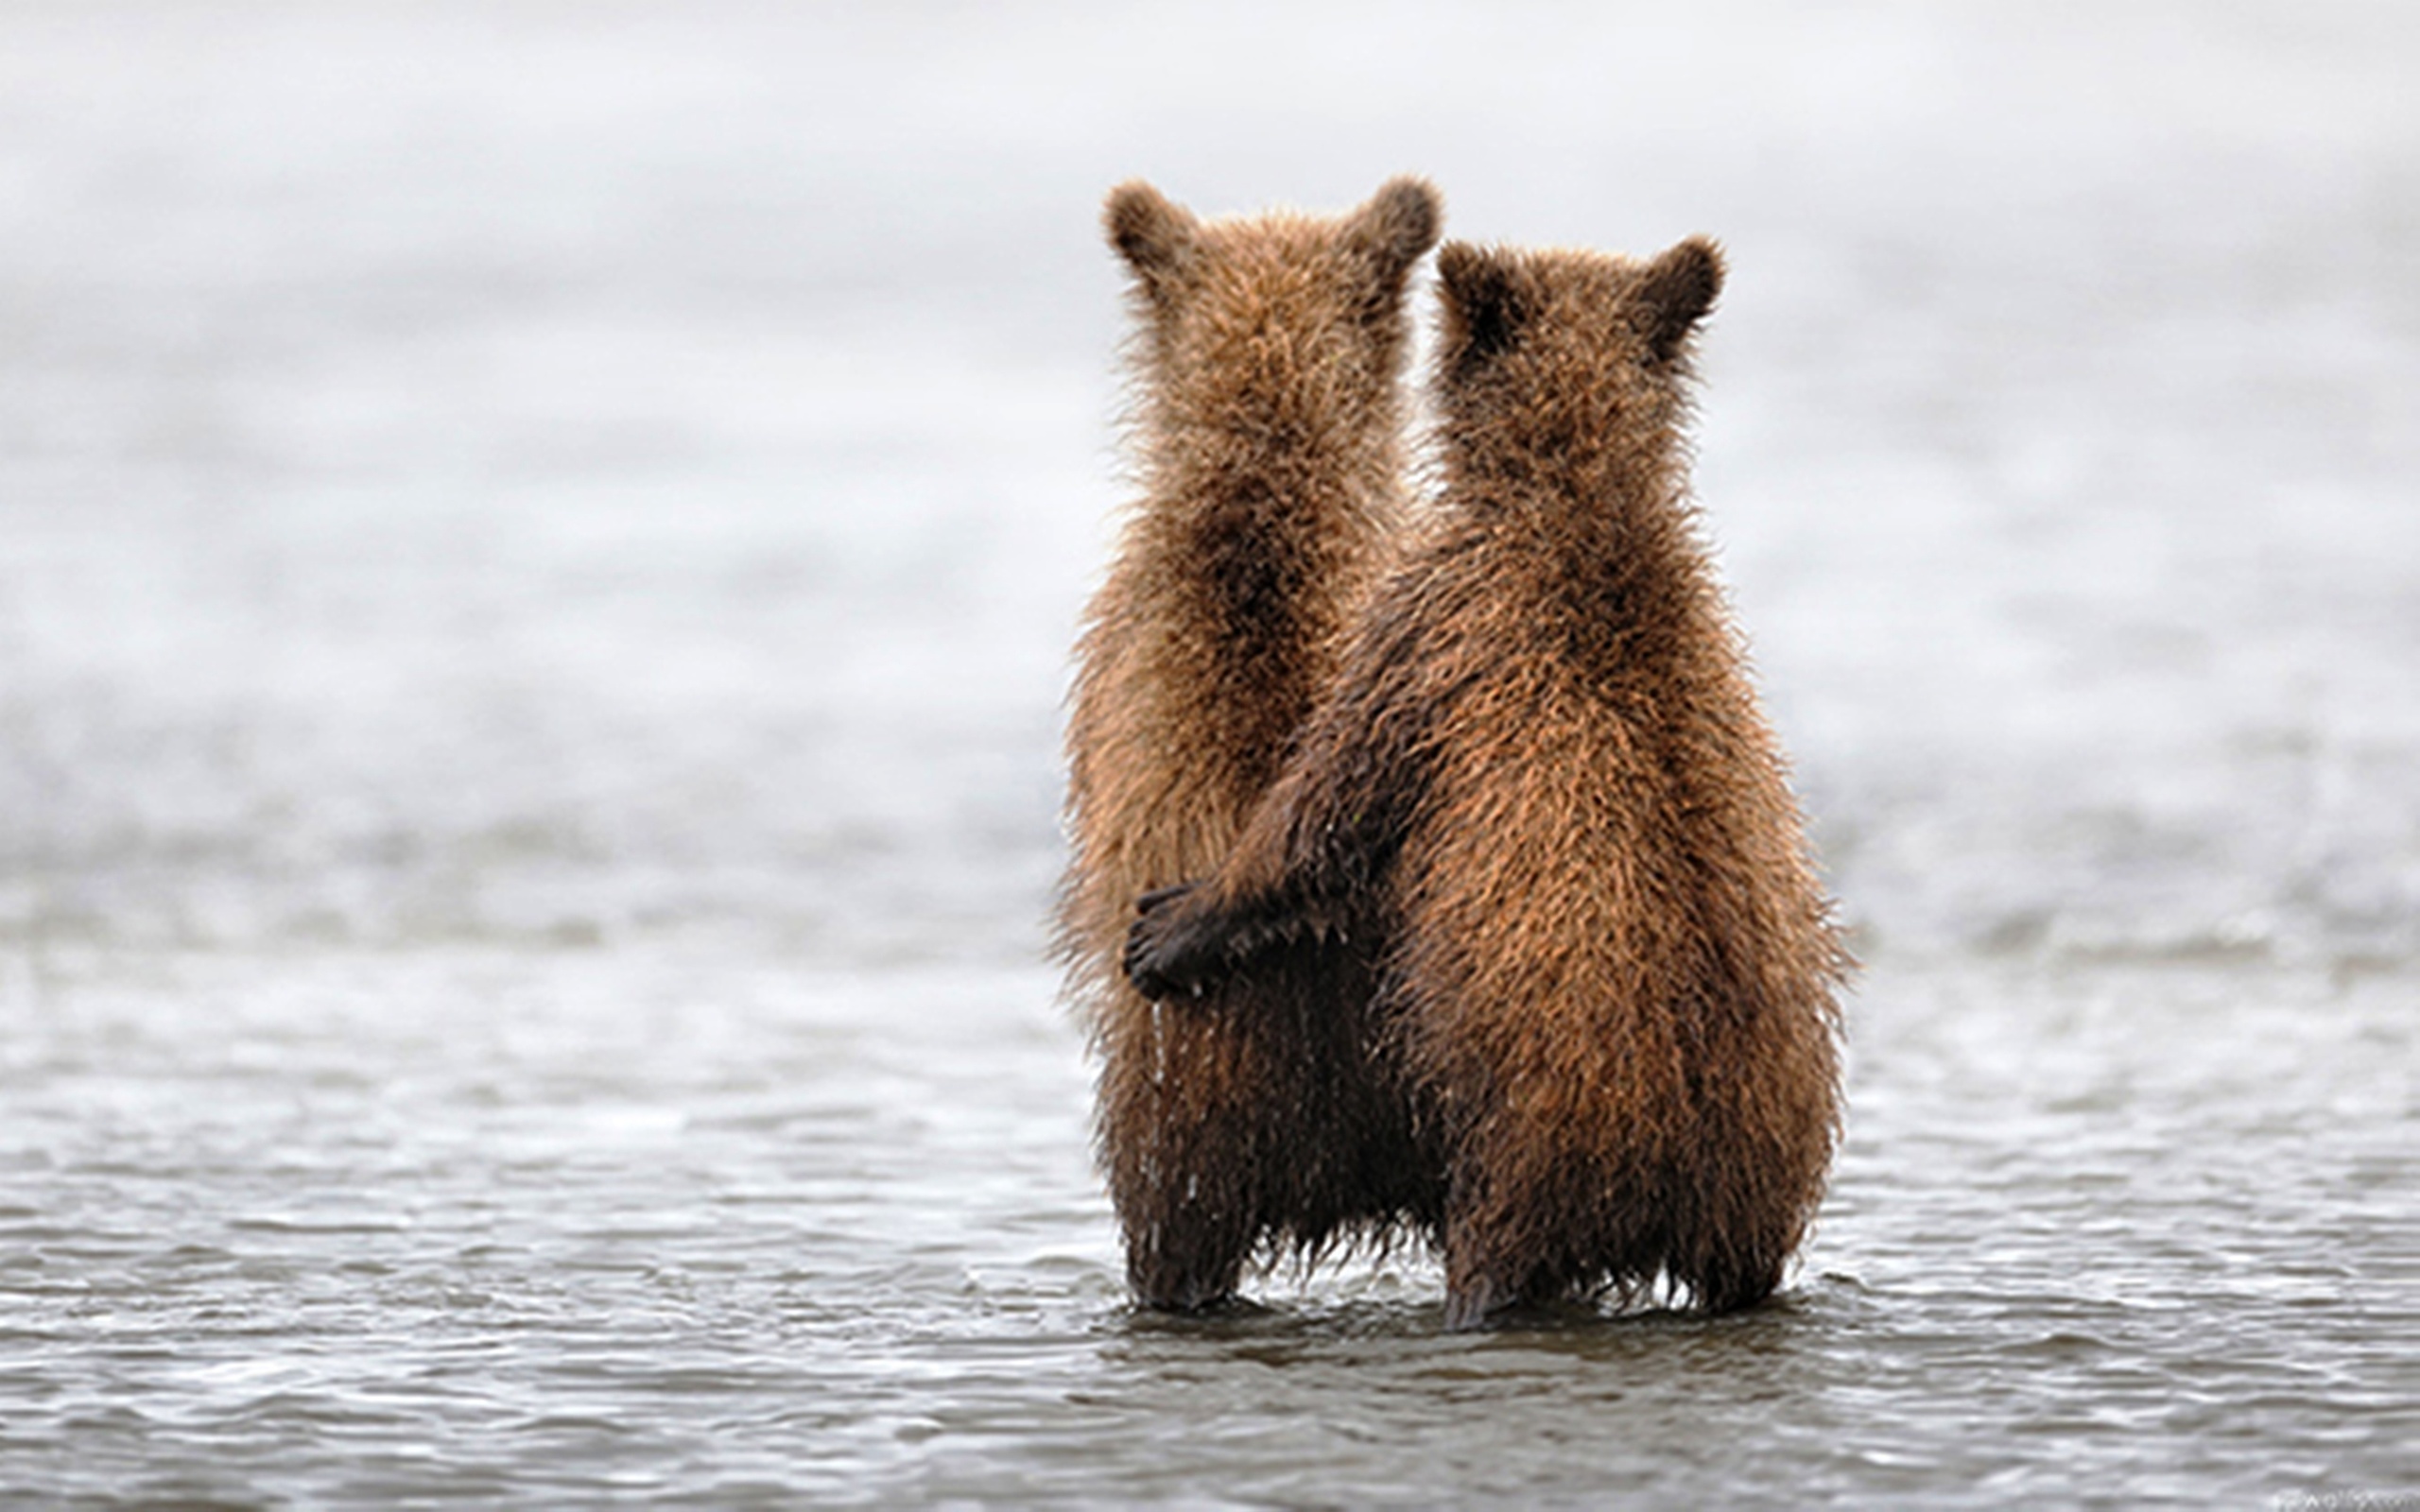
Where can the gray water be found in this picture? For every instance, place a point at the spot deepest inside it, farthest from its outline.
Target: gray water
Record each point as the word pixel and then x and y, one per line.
pixel 540 545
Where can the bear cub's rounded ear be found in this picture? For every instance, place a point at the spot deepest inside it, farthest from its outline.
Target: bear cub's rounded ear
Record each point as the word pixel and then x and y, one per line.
pixel 1483 309
pixel 1674 294
pixel 1154 235
pixel 1401 221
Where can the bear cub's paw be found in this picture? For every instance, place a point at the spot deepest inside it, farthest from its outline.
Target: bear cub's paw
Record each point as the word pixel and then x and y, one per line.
pixel 1177 947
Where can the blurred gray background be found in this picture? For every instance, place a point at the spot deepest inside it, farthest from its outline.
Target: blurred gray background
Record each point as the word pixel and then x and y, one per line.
pixel 576 474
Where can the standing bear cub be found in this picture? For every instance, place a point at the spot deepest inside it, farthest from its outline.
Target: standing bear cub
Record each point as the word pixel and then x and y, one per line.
pixel 1542 794
pixel 1268 366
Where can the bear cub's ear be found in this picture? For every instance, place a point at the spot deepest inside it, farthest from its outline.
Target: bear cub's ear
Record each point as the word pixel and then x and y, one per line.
pixel 1154 235
pixel 1674 294
pixel 1483 308
pixel 1400 222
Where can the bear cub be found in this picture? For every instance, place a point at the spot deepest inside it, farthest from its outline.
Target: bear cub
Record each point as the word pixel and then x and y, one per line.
pixel 1541 801
pixel 1267 422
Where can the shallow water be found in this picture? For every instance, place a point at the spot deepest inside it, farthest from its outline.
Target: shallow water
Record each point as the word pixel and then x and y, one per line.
pixel 540 548
pixel 509 1223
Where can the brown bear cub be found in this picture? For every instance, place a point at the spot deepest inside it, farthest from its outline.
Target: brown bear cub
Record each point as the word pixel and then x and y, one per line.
pixel 1542 797
pixel 1267 422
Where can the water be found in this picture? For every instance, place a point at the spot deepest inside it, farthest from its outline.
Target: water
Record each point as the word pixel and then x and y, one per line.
pixel 510 1225
pixel 540 546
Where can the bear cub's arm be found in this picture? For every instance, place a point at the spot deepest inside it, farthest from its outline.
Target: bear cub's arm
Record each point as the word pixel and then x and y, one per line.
pixel 1305 870
pixel 1184 941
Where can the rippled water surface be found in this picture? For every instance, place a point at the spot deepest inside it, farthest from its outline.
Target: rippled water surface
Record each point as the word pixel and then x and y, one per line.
pixel 376 1227
pixel 540 544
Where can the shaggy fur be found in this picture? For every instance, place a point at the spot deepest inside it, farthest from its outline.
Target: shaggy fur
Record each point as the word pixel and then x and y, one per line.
pixel 1267 426
pixel 1543 797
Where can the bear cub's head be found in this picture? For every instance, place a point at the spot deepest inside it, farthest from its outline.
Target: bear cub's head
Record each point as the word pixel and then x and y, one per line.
pixel 1572 337
pixel 1273 322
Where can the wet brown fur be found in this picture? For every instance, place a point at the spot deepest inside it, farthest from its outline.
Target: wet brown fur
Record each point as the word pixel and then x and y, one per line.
pixel 1543 793
pixel 1267 422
